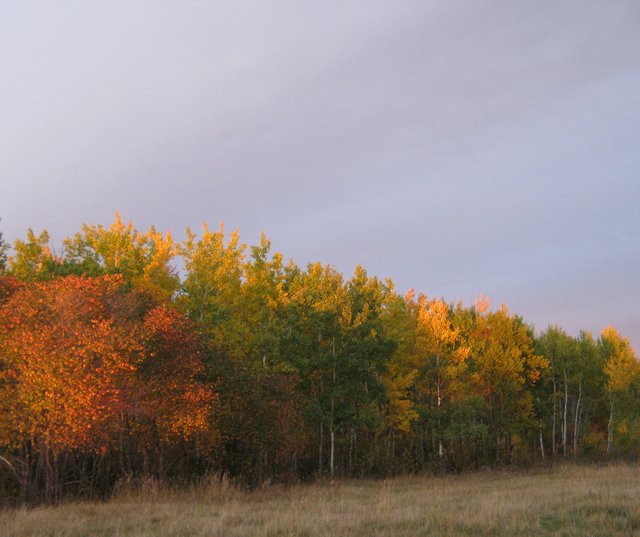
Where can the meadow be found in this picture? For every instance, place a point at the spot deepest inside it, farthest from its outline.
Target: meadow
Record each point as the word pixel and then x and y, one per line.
pixel 564 500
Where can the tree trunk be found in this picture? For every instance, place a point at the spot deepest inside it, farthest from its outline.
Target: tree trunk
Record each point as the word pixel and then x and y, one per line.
pixel 610 425
pixel 553 423
pixel 320 445
pixel 439 403
pixel 351 442
pixel 564 415
pixel 331 466
pixel 576 421
pixel 332 425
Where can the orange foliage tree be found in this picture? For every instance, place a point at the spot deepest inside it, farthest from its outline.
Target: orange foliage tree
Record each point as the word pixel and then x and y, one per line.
pixel 83 363
pixel 169 389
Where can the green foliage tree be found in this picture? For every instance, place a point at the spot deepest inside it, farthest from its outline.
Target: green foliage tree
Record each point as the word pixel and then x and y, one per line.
pixel 211 290
pixel 144 259
pixel 263 296
pixel 562 352
pixel 572 386
pixel 33 259
pixel 365 351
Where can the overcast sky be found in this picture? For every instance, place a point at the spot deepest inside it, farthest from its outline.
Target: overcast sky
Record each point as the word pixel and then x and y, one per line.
pixel 456 147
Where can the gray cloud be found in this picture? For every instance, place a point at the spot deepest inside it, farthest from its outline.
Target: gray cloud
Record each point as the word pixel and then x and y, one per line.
pixel 457 147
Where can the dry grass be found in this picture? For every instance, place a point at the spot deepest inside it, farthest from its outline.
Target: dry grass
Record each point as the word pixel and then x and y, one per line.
pixel 570 500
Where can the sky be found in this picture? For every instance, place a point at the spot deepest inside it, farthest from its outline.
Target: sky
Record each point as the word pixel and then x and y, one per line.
pixel 457 147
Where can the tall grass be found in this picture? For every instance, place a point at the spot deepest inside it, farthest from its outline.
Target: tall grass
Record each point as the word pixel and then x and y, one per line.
pixel 567 500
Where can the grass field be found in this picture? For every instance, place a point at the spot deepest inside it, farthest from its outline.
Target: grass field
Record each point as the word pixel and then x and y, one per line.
pixel 568 500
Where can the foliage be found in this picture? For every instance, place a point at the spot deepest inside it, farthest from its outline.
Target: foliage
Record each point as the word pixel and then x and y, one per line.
pixel 3 254
pixel 84 365
pixel 33 259
pixel 114 365
pixel 144 259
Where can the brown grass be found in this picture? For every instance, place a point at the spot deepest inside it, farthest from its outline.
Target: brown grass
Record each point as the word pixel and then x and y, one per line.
pixel 569 500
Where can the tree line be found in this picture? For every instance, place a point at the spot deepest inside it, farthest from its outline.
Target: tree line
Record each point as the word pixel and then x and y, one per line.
pixel 115 365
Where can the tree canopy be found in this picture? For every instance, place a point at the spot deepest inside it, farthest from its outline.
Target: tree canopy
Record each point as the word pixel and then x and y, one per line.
pixel 115 364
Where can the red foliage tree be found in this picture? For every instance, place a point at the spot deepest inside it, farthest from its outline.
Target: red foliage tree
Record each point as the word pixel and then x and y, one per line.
pixel 169 389
pixel 81 360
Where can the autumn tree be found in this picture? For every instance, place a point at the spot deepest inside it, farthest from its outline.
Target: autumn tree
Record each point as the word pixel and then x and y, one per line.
pixel 366 349
pixel 64 358
pixel 267 325
pixel 339 352
pixel 169 398
pixel 33 259
pixel 263 296
pixel 84 366
pixel 442 357
pixel 143 259
pixel 504 368
pixel 398 378
pixel 3 254
pixel 211 290
pixel 320 298
pixel 589 405
pixel 239 300
pixel 622 376
pixel 113 364
pixel 562 352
